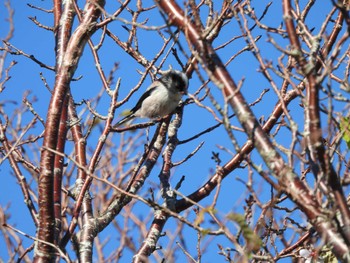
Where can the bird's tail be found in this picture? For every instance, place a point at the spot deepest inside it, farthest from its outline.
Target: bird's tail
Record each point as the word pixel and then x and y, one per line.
pixel 124 120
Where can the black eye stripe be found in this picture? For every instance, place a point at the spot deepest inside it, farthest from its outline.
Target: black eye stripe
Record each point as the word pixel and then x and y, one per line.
pixel 175 79
pixel 181 84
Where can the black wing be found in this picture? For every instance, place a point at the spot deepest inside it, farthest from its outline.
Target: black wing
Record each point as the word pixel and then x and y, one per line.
pixel 136 108
pixel 142 98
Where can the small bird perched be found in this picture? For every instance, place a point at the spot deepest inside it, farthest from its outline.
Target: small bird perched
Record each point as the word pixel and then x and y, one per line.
pixel 161 97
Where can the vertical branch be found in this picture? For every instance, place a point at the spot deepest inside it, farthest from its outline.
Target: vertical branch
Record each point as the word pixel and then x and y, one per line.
pixel 160 216
pixel 90 229
pixel 63 28
pixel 57 12
pixel 58 169
pixel 63 23
pixel 80 158
pixel 64 74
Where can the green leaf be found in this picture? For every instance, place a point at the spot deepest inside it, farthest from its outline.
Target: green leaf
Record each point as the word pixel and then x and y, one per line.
pixel 253 240
pixel 327 255
pixel 204 232
pixel 125 113
pixel 200 215
pixel 345 129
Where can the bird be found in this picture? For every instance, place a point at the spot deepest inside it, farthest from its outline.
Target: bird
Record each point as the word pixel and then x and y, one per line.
pixel 161 97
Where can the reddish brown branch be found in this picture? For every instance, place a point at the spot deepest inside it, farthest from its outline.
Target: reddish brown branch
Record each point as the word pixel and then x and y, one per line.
pixel 63 29
pixel 65 72
pixel 149 245
pixel 58 170
pixel 57 11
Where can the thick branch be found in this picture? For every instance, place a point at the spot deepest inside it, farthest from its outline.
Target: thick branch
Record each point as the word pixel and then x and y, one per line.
pixel 65 72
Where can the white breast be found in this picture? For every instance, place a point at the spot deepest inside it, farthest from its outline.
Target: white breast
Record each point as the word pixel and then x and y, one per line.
pixel 160 103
